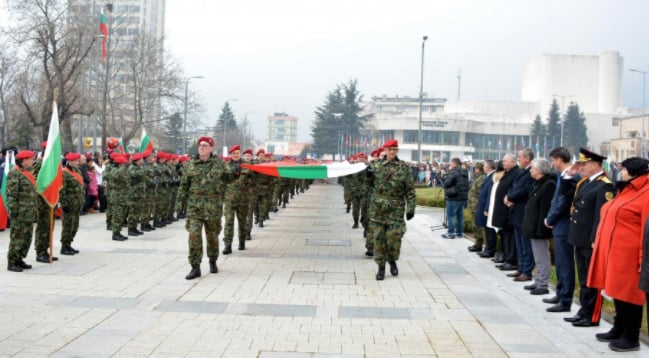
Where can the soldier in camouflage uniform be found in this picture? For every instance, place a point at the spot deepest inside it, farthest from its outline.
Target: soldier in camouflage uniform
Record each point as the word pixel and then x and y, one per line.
pixel 175 183
pixel 149 192
pixel 23 210
pixel 201 187
pixel 394 195
pixel 474 193
pixel 181 171
pixel 357 189
pixel 72 198
pixel 164 182
pixel 367 233
pixel 136 193
pixel 42 236
pixel 237 202
pixel 252 192
pixel 119 182
pixel 262 185
pixel 347 193
pixel 107 175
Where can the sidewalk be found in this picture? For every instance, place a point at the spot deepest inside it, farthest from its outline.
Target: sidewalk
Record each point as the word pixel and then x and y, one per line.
pixel 302 288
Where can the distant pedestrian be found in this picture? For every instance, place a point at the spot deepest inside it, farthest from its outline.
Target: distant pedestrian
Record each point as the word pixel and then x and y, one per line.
pixel 456 191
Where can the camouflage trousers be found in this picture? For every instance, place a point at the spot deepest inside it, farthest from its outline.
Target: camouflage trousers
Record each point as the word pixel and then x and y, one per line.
pixel 240 209
pixel 212 230
pixel 356 206
pixel 387 240
pixel 260 205
pixel 20 238
pixel 42 236
pixel 161 203
pixel 365 208
pixel 70 225
pixel 136 208
pixel 119 210
pixel 347 195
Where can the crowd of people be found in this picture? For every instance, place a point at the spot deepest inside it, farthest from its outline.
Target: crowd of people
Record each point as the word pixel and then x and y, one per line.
pixel 597 229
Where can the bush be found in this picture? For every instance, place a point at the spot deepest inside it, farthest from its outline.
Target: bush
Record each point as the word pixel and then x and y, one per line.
pixel 431 197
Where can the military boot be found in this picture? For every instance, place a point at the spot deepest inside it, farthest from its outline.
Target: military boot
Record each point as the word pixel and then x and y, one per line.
pixel 24 265
pixel 227 250
pixel 355 224
pixel 109 227
pixel 67 250
pixel 369 253
pixel 119 237
pixel 242 244
pixel 213 268
pixel 134 232
pixel 144 228
pixel 157 224
pixel 348 207
pixel 381 274
pixel 261 223
pixel 394 270
pixel 14 267
pixel 256 219
pixel 195 272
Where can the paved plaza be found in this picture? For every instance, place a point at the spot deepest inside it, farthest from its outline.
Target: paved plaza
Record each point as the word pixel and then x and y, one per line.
pixel 302 288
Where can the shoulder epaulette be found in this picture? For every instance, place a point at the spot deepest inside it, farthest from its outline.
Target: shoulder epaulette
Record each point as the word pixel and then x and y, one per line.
pixel 605 179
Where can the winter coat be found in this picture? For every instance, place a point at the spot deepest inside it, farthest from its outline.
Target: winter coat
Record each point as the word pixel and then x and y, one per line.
pixel 537 207
pixel 617 253
pixel 500 210
pixel 483 201
pixel 518 194
pixel 456 185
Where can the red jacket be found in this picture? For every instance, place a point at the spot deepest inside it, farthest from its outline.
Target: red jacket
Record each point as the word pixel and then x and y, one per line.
pixel 617 252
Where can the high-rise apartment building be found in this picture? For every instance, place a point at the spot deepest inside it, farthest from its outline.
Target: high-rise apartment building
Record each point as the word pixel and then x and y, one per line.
pixel 282 128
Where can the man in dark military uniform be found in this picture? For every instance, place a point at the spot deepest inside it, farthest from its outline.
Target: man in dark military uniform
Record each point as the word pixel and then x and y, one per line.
pixel 72 198
pixel 23 210
pixel 592 191
pixel 202 188
pixel 42 236
pixel 394 196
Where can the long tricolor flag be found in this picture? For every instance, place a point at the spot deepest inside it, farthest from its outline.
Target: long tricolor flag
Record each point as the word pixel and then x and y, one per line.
pixel 145 142
pixel 306 171
pixel 50 177
pixel 103 28
pixel 9 164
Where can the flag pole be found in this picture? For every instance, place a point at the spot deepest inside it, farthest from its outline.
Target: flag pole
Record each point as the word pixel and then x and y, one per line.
pixel 55 95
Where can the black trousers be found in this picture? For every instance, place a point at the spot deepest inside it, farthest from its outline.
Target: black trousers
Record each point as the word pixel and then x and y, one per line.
pixel 628 319
pixel 509 246
pixel 491 238
pixel 587 295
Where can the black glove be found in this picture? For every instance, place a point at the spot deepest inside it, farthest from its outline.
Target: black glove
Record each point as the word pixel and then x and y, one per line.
pixel 410 216
pixel 237 170
pixel 369 173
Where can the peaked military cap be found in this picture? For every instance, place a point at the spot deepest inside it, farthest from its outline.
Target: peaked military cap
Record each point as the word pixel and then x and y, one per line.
pixel 586 155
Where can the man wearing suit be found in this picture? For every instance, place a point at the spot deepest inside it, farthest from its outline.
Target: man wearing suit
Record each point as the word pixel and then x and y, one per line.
pixel 501 213
pixel 489 168
pixel 558 219
pixel 593 190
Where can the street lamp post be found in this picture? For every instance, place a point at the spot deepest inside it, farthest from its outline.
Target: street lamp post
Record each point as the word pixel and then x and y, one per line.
pixel 644 87
pixel 421 97
pixel 185 116
pixel 563 119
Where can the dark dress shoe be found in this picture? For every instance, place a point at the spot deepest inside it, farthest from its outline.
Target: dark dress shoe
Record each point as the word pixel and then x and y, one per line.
pixel 514 274
pixel 522 278
pixel 609 336
pixel 380 275
pixel 486 254
pixel 540 291
pixel 213 268
pixel 14 267
pixel 552 300
pixel 508 267
pixel 369 253
pixel 67 250
pixel 194 273
pixel 498 259
pixel 394 270
pixel 558 308
pixel 474 248
pixel 624 345
pixel 24 265
pixel 585 322
pixel 119 237
pixel 529 287
pixel 574 318
pixel 227 250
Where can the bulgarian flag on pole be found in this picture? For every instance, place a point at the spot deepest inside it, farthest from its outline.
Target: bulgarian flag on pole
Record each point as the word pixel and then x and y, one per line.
pixel 50 177
pixel 306 171
pixel 145 142
pixel 103 28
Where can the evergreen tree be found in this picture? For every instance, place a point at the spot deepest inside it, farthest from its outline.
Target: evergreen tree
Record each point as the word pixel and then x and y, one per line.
pixel 574 129
pixel 538 128
pixel 231 130
pixel 553 128
pixel 338 120
pixel 174 132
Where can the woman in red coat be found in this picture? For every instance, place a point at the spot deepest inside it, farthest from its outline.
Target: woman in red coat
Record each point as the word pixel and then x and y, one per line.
pixel 617 254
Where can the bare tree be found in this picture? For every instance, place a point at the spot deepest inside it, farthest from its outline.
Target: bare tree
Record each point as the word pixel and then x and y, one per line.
pixel 52 48
pixel 8 73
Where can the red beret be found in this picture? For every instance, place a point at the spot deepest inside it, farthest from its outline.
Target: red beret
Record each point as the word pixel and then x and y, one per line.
pixel 44 144
pixel 183 158
pixel 161 155
pixel 233 148
pixel 227 159
pixel 127 155
pixel 120 159
pixel 146 153
pixel 247 151
pixel 137 156
pixel 113 155
pixel 261 151
pixel 25 154
pixel 360 155
pixel 391 144
pixel 208 140
pixel 72 156
pixel 173 157
pixel 379 151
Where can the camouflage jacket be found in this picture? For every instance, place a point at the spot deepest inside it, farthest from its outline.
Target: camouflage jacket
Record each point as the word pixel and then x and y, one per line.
pixel 137 181
pixel 202 187
pixel 119 182
pixel 393 192
pixel 21 195
pixel 474 192
pixel 357 183
pixel 72 194
pixel 243 185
